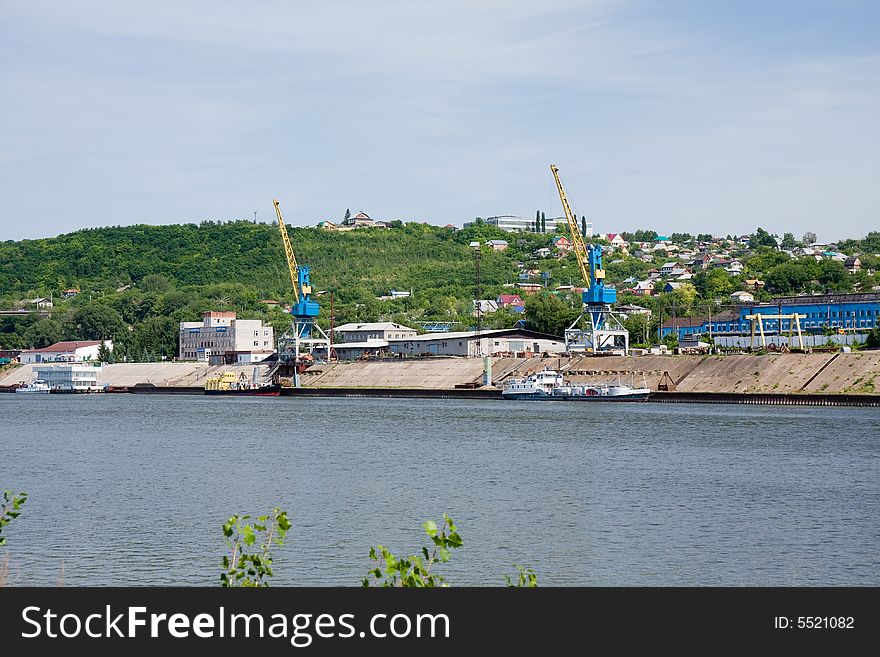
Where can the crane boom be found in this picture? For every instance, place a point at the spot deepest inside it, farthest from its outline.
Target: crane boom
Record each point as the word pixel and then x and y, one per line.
pixel 589 258
pixel 577 240
pixel 288 251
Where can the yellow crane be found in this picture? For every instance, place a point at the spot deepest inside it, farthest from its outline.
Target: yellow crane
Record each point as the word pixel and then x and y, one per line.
pixel 577 240
pixel 288 251
pixel 598 328
pixel 304 336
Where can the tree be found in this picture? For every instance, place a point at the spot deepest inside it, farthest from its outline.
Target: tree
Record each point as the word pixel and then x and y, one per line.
pixel 793 276
pixel 713 283
pixel 704 237
pixel 762 238
pixel 832 276
pixel 546 313
pixel 809 238
pixel 96 321
pixel 252 569
pixel 543 223
pixel 12 503
pixel 43 333
pixel 156 284
pixel 639 326
pixel 684 296
pixel 788 241
pixel 347 215
pixel 415 571
pixel 104 353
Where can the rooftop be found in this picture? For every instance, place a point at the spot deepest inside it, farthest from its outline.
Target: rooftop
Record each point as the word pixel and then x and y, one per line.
pixel 373 326
pixel 65 347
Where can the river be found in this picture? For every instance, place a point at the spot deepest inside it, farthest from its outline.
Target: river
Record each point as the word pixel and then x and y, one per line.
pixel 133 489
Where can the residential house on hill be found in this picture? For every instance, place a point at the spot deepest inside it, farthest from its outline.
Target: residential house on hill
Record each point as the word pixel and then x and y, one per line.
pixel 614 239
pixel 742 297
pixel 506 300
pixel 562 243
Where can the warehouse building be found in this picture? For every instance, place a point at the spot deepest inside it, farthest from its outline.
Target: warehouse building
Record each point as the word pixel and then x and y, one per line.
pixel 513 342
pixel 851 313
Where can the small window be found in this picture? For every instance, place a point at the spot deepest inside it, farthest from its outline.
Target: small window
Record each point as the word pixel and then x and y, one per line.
pixel 256 343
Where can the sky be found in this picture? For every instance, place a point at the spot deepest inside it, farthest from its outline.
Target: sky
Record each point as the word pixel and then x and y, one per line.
pixel 677 115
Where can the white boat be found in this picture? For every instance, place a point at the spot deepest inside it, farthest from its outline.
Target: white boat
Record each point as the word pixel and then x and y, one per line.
pixel 550 385
pixel 36 386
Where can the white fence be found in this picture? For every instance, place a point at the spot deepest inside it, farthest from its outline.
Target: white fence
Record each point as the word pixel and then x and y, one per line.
pixel 745 341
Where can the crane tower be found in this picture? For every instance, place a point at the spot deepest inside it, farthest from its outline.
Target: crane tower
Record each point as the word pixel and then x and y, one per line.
pixel 305 340
pixel 598 329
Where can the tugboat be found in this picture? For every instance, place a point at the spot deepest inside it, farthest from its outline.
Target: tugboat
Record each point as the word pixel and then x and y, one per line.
pixel 549 385
pixel 229 383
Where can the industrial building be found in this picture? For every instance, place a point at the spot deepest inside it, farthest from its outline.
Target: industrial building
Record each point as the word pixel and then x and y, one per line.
pixel 514 342
pixel 364 331
pixel 223 338
pixel 67 352
pixel 357 340
pixel 849 312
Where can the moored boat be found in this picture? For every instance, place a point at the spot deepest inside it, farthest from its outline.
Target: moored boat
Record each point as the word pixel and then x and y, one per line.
pixel 240 386
pixel 550 385
pixel 35 386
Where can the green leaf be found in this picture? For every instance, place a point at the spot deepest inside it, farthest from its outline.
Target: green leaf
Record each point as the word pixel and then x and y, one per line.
pixel 430 528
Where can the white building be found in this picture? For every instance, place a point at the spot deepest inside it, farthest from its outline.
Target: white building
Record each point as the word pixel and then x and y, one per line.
pixel 221 335
pixel 512 223
pixel 65 352
pixel 487 343
pixel 742 297
pixel 366 331
pixel 80 377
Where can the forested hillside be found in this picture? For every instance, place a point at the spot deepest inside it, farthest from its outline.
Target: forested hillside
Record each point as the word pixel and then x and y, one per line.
pixel 137 282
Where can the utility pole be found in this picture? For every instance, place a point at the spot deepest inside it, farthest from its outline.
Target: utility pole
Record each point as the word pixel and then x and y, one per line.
pixel 478 294
pixel 711 342
pixel 330 353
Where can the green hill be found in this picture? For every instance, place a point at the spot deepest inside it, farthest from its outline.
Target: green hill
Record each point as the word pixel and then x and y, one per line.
pixel 137 282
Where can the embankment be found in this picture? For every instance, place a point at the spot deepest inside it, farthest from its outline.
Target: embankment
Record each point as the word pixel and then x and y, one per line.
pixel 855 373
pixel 851 373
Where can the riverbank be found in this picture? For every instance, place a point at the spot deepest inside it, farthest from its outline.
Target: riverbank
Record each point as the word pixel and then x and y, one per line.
pixel 837 373
pixel 856 373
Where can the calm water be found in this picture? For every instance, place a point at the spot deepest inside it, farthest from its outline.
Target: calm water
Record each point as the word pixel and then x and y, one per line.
pixel 132 489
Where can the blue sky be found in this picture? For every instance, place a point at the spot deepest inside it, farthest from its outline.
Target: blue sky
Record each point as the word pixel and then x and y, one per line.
pixel 678 115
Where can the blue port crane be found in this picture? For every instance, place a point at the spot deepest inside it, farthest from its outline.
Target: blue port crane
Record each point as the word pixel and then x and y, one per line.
pixel 598 328
pixel 305 338
pixel 300 276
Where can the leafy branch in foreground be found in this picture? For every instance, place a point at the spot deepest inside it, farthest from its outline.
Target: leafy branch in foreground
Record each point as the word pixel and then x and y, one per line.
pixel 12 502
pixel 526 578
pixel 246 568
pixel 415 571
